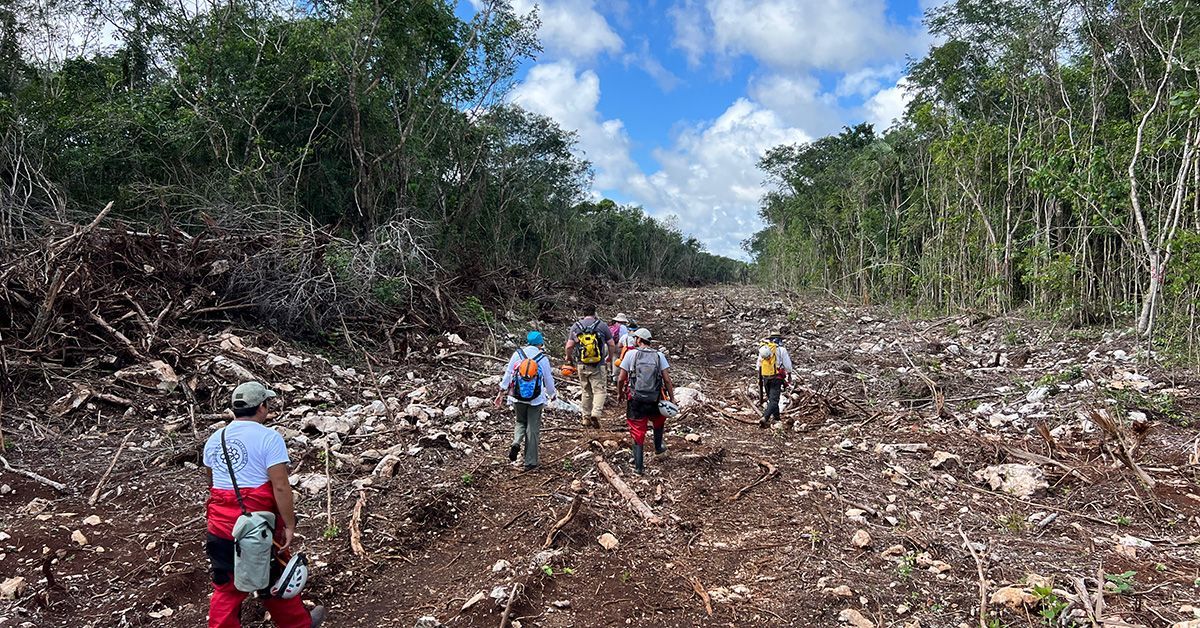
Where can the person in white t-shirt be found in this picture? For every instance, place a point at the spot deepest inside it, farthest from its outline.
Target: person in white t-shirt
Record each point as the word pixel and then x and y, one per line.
pixel 258 459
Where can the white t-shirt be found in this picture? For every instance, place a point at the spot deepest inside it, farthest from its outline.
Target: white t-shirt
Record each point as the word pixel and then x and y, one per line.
pixel 628 361
pixel 253 448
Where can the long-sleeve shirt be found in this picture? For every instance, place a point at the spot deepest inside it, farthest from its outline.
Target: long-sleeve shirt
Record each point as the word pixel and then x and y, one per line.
pixel 544 372
pixel 782 359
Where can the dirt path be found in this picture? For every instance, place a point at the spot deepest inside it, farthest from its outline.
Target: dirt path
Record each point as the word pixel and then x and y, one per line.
pixel 857 522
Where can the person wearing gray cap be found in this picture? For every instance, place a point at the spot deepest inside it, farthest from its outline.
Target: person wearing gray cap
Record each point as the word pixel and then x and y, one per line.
pixel 247 468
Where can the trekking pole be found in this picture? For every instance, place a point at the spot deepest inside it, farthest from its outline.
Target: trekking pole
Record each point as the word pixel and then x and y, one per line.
pixel 761 393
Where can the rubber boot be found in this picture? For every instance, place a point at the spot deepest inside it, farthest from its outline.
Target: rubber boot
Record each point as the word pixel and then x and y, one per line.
pixel 512 453
pixel 639 464
pixel 659 447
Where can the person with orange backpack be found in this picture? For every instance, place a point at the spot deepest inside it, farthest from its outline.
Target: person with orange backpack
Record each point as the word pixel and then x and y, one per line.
pixel 528 383
pixel 774 371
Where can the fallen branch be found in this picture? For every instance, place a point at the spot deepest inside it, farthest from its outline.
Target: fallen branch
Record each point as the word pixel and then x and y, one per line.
pixel 387 407
pixel 983 587
pixel 356 525
pixel 635 502
pixel 1101 419
pixel 58 486
pixel 700 591
pixel 512 598
pixel 133 350
pixel 939 398
pixel 484 356
pixel 571 512
pixel 769 471
pixel 104 478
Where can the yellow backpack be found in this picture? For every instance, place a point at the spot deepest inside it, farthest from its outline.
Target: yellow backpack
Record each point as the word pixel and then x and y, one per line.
pixel 767 368
pixel 591 347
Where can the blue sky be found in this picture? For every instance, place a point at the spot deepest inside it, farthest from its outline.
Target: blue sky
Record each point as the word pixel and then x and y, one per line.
pixel 674 101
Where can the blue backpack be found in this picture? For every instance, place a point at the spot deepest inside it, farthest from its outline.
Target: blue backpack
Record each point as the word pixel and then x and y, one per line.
pixel 527 378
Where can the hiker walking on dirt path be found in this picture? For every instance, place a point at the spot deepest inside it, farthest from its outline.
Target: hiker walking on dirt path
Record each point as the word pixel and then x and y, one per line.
pixel 528 383
pixel 774 372
pixel 646 374
pixel 590 344
pixel 247 468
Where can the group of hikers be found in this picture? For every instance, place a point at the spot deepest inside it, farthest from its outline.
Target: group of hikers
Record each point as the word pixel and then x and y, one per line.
pixel 250 511
pixel 642 376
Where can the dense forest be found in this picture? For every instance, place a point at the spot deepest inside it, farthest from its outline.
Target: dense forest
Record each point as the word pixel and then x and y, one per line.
pixel 1048 158
pixel 365 149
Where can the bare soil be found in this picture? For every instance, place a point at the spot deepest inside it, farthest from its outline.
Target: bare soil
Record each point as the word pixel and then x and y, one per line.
pixel 775 556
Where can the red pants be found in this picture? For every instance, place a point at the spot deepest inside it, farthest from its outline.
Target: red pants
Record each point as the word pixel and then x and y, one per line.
pixel 225 609
pixel 637 427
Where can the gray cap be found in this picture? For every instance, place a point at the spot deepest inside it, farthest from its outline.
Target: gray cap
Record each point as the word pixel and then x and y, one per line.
pixel 250 394
pixel 643 333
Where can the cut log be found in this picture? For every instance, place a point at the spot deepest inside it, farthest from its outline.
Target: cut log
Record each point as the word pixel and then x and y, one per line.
pixel 631 497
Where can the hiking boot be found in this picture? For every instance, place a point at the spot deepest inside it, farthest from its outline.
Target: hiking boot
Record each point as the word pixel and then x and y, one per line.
pixel 530 467
pixel 763 423
pixel 595 422
pixel 317 614
pixel 512 453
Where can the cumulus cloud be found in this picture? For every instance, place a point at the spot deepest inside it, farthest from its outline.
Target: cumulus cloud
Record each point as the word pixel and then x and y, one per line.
pixel 709 177
pixel 887 105
pixel 690 35
pixel 572 29
pixel 799 101
pixel 827 34
pixel 558 90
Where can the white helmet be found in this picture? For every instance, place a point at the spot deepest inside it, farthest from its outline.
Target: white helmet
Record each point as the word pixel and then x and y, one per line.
pixel 291 582
pixel 668 409
pixel 764 352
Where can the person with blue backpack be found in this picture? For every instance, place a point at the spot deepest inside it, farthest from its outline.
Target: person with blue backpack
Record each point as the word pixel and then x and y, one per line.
pixel 528 383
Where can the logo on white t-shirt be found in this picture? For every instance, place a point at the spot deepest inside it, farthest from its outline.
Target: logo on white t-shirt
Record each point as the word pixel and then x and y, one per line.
pixel 239 457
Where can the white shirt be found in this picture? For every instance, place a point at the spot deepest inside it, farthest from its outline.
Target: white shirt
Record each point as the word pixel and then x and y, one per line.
pixel 253 448
pixel 782 359
pixel 544 372
pixel 628 361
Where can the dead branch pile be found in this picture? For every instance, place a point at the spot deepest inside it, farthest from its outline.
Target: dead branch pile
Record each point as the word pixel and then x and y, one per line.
pixel 106 297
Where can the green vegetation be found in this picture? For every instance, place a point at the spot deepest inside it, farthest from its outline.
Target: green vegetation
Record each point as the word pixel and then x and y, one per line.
pixel 366 153
pixel 1013 522
pixel 331 532
pixel 1030 169
pixel 1072 373
pixel 468 479
pixel 1122 582
pixel 1049 605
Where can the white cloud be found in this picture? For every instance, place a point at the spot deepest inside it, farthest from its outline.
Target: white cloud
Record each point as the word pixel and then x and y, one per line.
pixel 572 98
pixel 792 34
pixel 799 101
pixel 646 60
pixel 887 105
pixel 572 28
pixel 690 35
pixel 710 179
pixel 867 81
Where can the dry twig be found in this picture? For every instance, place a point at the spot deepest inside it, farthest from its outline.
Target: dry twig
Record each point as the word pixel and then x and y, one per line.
pixel 983 587
pixel 571 512
pixel 58 486
pixel 769 471
pixel 104 478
